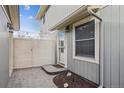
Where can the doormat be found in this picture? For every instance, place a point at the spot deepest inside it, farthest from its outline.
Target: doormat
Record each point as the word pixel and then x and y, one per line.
pixel 53 69
pixel 58 66
pixel 69 79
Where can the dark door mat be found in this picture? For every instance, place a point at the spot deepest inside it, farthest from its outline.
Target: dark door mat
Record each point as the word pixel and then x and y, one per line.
pixel 69 79
pixel 58 66
pixel 52 69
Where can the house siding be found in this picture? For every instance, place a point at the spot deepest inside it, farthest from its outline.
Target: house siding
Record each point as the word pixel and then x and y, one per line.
pixel 112 29
pixel 111 45
pixel 121 46
pixel 4 50
pixel 111 50
pixel 56 13
pixel 85 69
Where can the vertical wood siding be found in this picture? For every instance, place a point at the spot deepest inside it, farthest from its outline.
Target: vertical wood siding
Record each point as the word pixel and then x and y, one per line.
pixel 113 33
pixel 115 47
pixel 106 17
pixel 122 46
pixel 85 69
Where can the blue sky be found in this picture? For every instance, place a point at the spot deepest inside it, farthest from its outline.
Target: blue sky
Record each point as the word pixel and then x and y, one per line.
pixel 28 23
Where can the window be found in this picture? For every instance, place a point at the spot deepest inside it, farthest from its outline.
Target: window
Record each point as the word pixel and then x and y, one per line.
pixel 62 46
pixel 44 19
pixel 61 41
pixel 86 40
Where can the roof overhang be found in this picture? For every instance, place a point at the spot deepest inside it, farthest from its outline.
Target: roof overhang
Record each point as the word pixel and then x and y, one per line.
pixel 13 14
pixel 79 14
pixel 41 11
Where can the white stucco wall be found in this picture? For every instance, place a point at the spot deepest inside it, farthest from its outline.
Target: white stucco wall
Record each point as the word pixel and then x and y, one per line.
pixel 4 50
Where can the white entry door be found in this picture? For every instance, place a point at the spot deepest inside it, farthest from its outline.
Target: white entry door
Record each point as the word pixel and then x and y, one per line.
pixel 61 51
pixel 61 48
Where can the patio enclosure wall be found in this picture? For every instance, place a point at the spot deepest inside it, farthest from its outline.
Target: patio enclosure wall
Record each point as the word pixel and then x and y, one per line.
pixel 4 49
pixel 33 52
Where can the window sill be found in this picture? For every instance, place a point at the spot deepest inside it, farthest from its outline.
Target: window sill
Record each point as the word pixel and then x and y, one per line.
pixel 90 60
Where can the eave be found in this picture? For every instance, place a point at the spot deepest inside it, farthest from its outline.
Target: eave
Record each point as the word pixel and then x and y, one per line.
pixel 77 15
pixel 41 12
pixel 12 13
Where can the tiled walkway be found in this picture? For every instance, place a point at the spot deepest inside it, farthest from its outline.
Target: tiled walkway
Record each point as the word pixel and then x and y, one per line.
pixel 31 78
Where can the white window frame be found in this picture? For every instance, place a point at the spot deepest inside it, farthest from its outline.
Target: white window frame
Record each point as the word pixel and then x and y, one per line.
pixel 88 59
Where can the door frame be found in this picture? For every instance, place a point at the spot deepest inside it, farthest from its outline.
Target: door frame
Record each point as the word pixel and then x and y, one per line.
pixel 65 49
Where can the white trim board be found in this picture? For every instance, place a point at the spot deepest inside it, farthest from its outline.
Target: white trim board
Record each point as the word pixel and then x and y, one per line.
pixel 6 14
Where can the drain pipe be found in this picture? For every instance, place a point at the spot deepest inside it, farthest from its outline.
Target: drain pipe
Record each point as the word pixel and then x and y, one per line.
pixel 91 12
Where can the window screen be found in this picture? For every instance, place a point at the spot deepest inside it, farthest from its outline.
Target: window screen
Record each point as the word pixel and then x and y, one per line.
pixel 85 39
